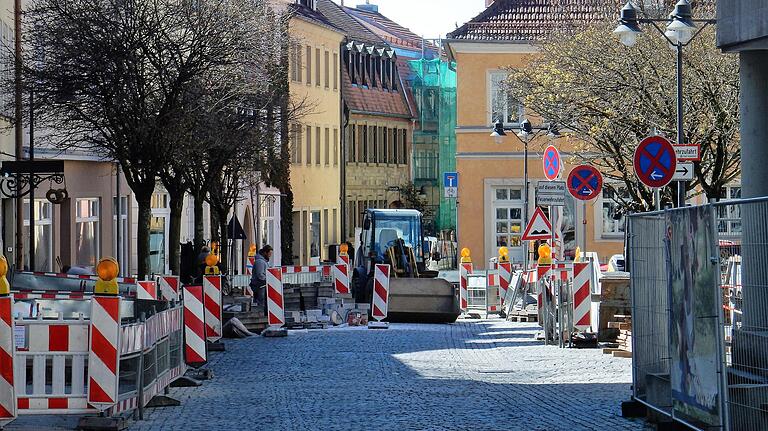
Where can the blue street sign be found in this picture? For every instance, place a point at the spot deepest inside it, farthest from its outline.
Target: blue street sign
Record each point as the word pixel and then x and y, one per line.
pixel 655 162
pixel 585 182
pixel 552 163
pixel 451 184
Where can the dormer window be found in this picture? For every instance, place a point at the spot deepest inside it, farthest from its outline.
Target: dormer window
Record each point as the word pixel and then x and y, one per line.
pixel 312 4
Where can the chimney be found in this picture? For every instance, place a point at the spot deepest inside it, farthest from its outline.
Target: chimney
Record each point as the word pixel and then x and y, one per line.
pixel 488 2
pixel 368 7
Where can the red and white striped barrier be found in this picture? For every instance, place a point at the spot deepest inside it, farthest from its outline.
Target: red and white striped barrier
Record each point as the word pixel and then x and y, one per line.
pixel 169 287
pixel 380 301
pixel 341 279
pixel 492 291
pixel 464 270
pixel 343 258
pixel 560 271
pixel 104 357
pixel 146 290
pixel 275 304
pixel 213 307
pixel 195 354
pixel 7 350
pixel 505 278
pixel 582 277
pixel 249 265
pixel 52 294
pixel 128 280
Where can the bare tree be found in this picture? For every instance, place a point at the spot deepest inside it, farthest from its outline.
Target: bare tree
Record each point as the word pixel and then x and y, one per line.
pixel 609 97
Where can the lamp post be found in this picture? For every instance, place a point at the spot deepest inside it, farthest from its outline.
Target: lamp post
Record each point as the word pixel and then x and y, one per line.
pixel 680 31
pixel 525 131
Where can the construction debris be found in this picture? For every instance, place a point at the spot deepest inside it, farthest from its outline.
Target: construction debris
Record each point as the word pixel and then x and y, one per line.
pixel 623 323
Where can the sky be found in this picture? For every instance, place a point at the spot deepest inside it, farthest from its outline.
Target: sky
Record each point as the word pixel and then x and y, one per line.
pixel 428 18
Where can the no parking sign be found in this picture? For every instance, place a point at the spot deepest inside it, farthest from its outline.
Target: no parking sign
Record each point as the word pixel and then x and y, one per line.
pixel 585 182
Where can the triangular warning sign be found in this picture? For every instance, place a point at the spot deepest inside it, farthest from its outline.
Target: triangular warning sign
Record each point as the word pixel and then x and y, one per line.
pixel 538 228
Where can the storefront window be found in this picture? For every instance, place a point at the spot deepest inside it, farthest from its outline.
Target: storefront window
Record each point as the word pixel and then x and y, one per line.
pixel 43 235
pixel 86 231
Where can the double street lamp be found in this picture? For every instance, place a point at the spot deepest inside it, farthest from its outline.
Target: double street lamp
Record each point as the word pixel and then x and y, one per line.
pixel 681 29
pixel 525 132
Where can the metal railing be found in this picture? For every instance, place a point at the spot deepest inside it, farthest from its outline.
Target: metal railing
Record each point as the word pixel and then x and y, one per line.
pixel 699 280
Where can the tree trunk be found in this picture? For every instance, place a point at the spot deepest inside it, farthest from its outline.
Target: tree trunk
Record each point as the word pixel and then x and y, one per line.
pixel 174 233
pixel 223 237
pixel 215 237
pixel 199 225
pixel 144 200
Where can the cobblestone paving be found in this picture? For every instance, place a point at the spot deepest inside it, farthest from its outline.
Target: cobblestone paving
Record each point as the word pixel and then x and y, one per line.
pixel 472 375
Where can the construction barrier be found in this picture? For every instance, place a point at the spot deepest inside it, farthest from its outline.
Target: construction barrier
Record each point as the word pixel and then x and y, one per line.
pixel 275 302
pixel 582 304
pixel 195 353
pixel 299 275
pixel 465 269
pixel 146 290
pixel 492 294
pixel 169 287
pixel 505 279
pixel 7 391
pixel 103 356
pixel 380 301
pixel 341 279
pixel 213 307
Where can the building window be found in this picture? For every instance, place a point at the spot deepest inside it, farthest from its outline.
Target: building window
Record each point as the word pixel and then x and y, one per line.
pixel 508 218
pixel 327 70
pixel 308 3
pixel 326 228
pixel 86 231
pixel 296 62
pixel 729 216
pixel 361 69
pixel 351 143
pixel 317 67
pixel 385 143
pixel 327 146
pixel 502 105
pixel 374 76
pixel 395 152
pixel 335 68
pixel 296 144
pixel 314 235
pixel 336 144
pixel 309 145
pixel 613 218
pixel 375 150
pixel 404 148
pixel 124 239
pixel 317 146
pixel 309 65
pixel 382 144
pixel 364 144
pixel 334 231
pixel 43 211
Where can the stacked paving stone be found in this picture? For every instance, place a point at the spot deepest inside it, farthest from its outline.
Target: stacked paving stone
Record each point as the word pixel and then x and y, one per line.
pixel 623 347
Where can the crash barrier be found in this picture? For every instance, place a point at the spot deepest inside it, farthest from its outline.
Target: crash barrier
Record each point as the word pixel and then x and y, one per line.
pixel 85 353
pixel 700 313
pixel 380 299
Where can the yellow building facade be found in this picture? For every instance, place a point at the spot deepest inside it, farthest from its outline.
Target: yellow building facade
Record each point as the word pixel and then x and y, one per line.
pixel 491 175
pixel 314 66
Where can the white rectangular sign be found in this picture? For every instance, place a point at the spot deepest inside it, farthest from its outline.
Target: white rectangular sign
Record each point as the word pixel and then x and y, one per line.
pixel 684 172
pixel 550 193
pixel 688 152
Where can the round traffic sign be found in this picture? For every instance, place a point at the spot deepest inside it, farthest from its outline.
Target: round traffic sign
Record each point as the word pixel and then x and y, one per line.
pixel 585 182
pixel 655 161
pixel 552 163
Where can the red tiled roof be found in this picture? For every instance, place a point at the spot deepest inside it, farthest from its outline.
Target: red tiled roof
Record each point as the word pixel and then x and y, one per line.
pixel 533 20
pixel 374 100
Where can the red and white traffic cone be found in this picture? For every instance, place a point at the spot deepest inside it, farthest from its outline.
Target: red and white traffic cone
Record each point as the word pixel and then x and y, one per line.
pixel 380 297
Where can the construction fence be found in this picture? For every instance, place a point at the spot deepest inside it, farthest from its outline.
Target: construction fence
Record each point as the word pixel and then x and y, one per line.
pixel 699 282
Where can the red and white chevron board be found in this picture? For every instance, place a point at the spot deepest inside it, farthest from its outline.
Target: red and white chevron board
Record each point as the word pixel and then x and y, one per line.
pixel 531 276
pixel 249 265
pixel 341 278
pixel 464 270
pixel 213 307
pixel 275 303
pixel 195 354
pixel 146 290
pixel 169 287
pixel 505 278
pixel 582 304
pixel 103 357
pixel 7 349
pixel 343 258
pixel 380 301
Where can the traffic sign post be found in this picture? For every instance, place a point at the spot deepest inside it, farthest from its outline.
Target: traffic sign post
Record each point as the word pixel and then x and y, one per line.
pixel 552 163
pixel 451 184
pixel 655 162
pixel 585 182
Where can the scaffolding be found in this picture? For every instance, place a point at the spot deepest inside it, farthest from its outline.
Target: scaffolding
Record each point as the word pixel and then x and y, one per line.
pixel 434 138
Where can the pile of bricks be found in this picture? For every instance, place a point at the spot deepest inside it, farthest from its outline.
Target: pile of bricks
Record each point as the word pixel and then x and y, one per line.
pixel 326 311
pixel 623 343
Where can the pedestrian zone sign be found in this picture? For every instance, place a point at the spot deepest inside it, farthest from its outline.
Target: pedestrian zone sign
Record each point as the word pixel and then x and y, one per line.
pixel 539 227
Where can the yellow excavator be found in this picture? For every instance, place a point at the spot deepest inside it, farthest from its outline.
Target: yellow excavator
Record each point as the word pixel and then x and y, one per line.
pixel 394 237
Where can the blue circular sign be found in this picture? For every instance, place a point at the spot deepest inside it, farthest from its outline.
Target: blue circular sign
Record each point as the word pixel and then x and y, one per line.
pixel 655 162
pixel 585 182
pixel 552 163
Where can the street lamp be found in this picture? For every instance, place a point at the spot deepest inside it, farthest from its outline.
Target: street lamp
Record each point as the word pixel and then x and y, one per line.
pixel 680 31
pixel 525 132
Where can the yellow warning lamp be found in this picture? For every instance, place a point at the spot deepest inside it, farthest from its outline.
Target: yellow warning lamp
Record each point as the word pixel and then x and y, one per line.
pixel 465 255
pixel 252 250
pixel 577 255
pixel 343 249
pixel 503 255
pixel 5 287
pixel 545 254
pixel 107 270
pixel 210 264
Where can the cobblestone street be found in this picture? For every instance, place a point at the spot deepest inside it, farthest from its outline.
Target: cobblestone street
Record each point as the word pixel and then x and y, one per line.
pixel 488 375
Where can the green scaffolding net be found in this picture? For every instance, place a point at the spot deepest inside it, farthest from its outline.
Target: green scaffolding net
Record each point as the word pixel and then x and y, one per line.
pixel 434 139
